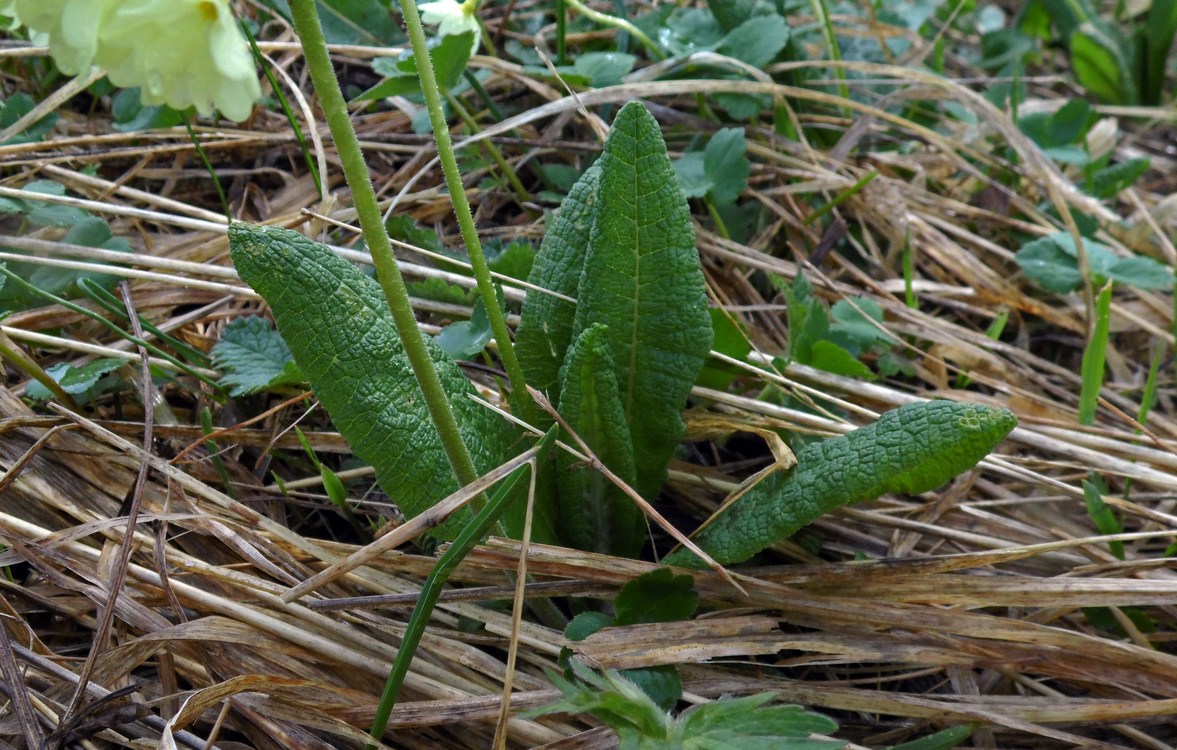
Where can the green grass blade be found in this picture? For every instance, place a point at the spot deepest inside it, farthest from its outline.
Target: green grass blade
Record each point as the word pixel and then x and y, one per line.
pixel 473 532
pixel 1094 357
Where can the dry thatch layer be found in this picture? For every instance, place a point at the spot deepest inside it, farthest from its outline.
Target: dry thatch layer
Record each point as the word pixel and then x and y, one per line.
pixel 976 605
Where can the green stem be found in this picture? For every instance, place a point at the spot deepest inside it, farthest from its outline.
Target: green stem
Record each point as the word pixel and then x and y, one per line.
pixel 618 23
pixel 310 33
pixel 511 176
pixel 453 180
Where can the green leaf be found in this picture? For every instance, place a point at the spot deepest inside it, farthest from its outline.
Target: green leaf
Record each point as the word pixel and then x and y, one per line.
pixel 726 165
pixel 74 380
pixel 585 624
pixel 1103 516
pixel 1100 62
pixel 855 321
pixel 337 324
pixel 642 278
pixel 945 739
pixel 1047 264
pixel 130 114
pixel 513 259
pixel 466 338
pixel 1160 30
pixel 662 684
pixel 808 318
pixel 691 174
pixel 749 723
pixel 1112 180
pixel 1052 262
pixel 828 356
pixel 545 325
pixel 604 68
pixel 731 13
pixel 1060 128
pixel 729 339
pixel 449 54
pixel 657 596
pixel 254 357
pixel 595 514
pixel 1141 272
pixel 912 449
pixel 17 106
pixel 757 40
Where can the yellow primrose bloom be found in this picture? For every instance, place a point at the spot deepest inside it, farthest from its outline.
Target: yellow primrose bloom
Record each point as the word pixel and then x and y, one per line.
pixel 453 18
pixel 178 52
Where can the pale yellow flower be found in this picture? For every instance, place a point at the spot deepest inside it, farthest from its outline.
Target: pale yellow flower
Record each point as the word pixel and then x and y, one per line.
pixel 178 52
pixel 453 18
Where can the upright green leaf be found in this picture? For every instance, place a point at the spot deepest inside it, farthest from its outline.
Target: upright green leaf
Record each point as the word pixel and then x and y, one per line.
pixel 545 325
pixel 337 324
pixel 594 514
pixel 642 278
pixel 912 449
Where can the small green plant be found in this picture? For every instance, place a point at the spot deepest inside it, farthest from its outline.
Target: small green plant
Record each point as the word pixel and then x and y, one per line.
pixel 1119 61
pixel 254 357
pixel 732 724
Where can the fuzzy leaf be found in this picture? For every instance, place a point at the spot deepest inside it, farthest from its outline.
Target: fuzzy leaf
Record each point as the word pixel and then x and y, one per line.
pixel 337 324
pixel 643 280
pixel 594 514
pixel 912 449
pixel 545 325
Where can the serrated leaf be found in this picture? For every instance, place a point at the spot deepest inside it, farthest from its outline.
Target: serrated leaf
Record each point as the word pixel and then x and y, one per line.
pixel 595 515
pixel 748 719
pixel 254 357
pixel 545 325
pixel 662 684
pixel 731 13
pixel 642 278
pixel 726 165
pixel 657 596
pixel 337 324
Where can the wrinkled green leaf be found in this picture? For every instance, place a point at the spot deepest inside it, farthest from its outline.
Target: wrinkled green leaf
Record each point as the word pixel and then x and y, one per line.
pixel 595 514
pixel 642 278
pixel 546 322
pixel 337 324
pixel 912 449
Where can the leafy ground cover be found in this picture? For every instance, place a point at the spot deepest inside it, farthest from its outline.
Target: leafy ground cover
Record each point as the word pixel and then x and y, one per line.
pixel 890 204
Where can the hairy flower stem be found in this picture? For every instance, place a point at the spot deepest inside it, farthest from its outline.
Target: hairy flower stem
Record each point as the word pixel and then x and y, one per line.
pixel 310 32
pixel 453 180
